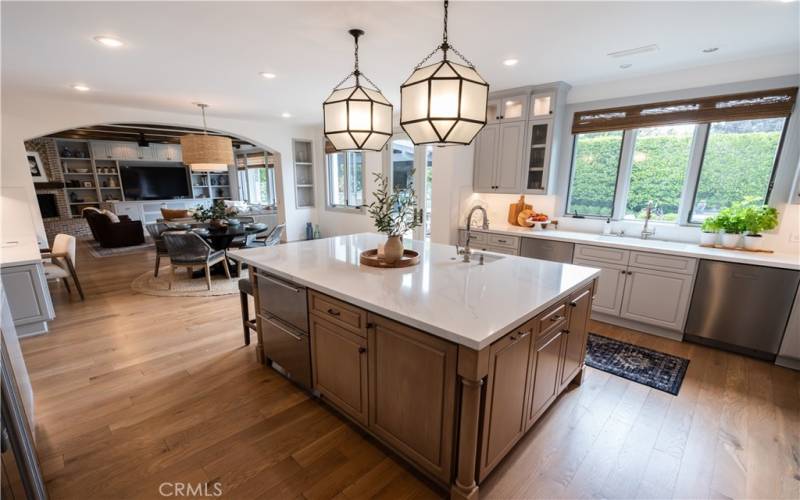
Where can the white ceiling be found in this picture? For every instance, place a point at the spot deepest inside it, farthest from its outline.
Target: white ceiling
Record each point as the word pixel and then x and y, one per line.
pixel 177 53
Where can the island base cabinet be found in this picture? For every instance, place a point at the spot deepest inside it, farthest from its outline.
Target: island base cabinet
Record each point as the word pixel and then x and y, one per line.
pixel 545 364
pixel 339 367
pixel 576 335
pixel 412 393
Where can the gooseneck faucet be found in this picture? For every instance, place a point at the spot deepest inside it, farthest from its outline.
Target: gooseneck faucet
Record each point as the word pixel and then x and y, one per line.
pixel 647 214
pixel 466 251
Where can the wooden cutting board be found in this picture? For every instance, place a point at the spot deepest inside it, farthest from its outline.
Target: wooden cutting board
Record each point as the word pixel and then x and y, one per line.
pixel 515 208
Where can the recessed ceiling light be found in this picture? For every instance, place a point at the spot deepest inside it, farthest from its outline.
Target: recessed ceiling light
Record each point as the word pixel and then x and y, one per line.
pixel 286 114
pixel 268 76
pixel 710 50
pixel 81 87
pixel 625 66
pixel 109 41
pixel 510 62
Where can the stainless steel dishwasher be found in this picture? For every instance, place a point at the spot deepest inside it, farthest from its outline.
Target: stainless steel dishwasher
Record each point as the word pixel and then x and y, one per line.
pixel 557 251
pixel 741 308
pixel 284 326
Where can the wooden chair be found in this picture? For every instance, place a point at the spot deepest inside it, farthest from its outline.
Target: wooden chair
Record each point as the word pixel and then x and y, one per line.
pixel 245 289
pixel 155 231
pixel 187 249
pixel 61 263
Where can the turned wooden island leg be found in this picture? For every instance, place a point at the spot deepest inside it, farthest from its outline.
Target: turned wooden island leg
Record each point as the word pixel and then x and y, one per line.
pixel 473 366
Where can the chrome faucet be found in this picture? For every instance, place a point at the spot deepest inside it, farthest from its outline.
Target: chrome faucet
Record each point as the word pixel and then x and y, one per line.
pixel 647 214
pixel 467 251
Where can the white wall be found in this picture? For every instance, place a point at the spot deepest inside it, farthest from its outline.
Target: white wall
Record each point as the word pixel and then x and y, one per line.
pixel 28 116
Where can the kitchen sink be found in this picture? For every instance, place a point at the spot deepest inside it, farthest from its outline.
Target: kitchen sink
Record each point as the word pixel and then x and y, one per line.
pixel 488 258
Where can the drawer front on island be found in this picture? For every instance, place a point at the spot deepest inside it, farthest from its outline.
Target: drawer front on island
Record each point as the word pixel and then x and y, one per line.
pixel 339 361
pixel 504 418
pixel 412 393
pixel 339 313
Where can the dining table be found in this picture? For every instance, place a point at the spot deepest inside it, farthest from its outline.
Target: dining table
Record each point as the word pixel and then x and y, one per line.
pixel 220 238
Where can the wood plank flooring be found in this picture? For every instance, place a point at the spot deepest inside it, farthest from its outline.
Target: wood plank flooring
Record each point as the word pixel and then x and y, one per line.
pixel 133 391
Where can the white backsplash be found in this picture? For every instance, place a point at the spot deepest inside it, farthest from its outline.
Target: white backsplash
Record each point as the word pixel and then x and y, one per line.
pixel 785 240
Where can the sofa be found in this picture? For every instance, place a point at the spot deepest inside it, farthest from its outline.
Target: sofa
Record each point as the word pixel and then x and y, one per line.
pixel 112 234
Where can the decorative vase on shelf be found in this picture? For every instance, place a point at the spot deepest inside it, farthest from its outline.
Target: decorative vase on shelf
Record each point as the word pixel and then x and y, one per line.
pixel 730 240
pixel 393 250
pixel 708 238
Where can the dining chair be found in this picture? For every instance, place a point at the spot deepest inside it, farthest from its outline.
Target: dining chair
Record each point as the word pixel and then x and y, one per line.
pixel 272 239
pixel 61 263
pixel 242 241
pixel 187 249
pixel 155 230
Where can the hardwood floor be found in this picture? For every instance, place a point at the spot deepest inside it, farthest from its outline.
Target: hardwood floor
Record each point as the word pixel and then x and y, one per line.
pixel 134 391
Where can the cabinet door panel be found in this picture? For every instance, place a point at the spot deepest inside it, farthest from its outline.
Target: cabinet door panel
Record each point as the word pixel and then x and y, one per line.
pixel 545 364
pixel 339 363
pixel 100 150
pixel 575 338
pixel 504 407
pixel 610 286
pixel 657 297
pixel 412 386
pixel 485 159
pixel 515 108
pixel 509 158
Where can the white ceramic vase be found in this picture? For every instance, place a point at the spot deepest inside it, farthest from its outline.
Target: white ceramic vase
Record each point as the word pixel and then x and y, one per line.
pixel 708 239
pixel 731 240
pixel 753 242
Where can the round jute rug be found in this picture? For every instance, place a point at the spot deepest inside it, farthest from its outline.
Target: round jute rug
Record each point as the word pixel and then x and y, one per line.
pixel 183 285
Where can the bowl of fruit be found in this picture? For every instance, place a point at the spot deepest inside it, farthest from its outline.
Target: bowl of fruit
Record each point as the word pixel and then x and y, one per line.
pixel 534 220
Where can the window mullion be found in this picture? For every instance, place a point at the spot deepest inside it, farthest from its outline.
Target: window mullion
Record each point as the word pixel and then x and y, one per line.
pixel 624 174
pixel 693 174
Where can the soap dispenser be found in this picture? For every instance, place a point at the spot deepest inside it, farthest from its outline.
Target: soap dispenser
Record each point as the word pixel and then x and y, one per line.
pixel 607 227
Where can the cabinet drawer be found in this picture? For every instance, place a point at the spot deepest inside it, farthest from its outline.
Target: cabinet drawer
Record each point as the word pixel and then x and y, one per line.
pixel 602 254
pixel 555 318
pixel 660 262
pixel 339 313
pixel 474 238
pixel 505 250
pixel 501 240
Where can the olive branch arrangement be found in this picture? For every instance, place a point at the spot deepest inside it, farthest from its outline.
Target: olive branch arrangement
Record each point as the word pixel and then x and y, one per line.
pixel 394 211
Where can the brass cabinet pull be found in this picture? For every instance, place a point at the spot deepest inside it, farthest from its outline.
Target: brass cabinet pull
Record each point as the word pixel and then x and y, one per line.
pixel 362 350
pixel 333 312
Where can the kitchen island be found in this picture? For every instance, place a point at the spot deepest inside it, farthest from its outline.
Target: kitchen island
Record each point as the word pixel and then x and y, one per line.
pixel 447 363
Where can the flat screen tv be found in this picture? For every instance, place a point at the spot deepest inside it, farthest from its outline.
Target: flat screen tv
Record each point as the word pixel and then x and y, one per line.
pixel 154 183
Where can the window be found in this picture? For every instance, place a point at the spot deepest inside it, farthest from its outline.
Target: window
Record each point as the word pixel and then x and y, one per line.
pixel 658 171
pixel 345 179
pixel 256 177
pixel 402 151
pixel 595 166
pixel 428 189
pixel 738 165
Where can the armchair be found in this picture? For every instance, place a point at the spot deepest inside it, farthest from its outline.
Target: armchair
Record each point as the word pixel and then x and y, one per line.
pixel 110 234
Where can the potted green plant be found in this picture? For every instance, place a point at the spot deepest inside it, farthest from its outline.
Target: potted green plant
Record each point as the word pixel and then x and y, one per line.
pixel 395 213
pixel 710 231
pixel 756 220
pixel 216 214
pixel 732 225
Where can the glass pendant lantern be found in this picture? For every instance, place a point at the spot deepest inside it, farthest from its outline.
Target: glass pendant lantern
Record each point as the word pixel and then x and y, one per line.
pixel 444 102
pixel 357 117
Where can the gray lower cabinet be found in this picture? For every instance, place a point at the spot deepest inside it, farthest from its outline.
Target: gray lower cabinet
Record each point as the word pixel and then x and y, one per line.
pixel 610 286
pixel 556 251
pixel 28 298
pixel 489 242
pixel 656 297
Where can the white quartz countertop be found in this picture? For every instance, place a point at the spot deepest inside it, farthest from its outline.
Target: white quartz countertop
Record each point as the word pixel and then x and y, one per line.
pixel 19 253
pixel 468 304
pixel 783 260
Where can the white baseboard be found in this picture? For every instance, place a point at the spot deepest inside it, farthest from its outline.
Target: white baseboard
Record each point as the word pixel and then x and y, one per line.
pixel 635 325
pixel 31 329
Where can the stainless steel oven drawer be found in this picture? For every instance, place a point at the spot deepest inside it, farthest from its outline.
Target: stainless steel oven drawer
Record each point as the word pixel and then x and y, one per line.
pixel 289 348
pixel 284 300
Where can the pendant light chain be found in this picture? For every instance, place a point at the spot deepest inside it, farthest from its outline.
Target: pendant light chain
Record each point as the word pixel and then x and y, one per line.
pixel 445 46
pixel 356 71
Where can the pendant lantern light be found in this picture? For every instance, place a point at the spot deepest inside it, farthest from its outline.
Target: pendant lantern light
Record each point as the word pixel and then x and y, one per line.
pixel 357 117
pixel 444 102
pixel 206 153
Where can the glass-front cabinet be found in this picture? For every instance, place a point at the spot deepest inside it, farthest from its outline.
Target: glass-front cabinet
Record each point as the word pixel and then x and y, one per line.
pixel 542 105
pixel 540 137
pixel 508 109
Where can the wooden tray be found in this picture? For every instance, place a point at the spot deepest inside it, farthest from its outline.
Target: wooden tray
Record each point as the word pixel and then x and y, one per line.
pixel 742 249
pixel 370 258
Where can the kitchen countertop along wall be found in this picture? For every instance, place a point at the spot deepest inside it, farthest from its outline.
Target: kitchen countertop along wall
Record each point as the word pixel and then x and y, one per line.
pixel 782 260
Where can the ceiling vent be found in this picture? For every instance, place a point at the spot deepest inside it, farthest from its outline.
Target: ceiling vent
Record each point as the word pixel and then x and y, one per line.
pixel 632 52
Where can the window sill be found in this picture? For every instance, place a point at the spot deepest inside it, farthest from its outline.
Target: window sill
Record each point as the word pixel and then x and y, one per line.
pixel 345 210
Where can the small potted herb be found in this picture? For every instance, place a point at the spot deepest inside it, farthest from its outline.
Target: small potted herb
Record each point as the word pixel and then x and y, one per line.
pixel 756 220
pixel 217 214
pixel 710 231
pixel 395 213
pixel 732 225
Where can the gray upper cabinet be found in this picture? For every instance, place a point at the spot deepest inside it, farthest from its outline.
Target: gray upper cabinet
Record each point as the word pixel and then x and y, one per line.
pixel 119 150
pixel 515 152
pixel 167 152
pixel 101 150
